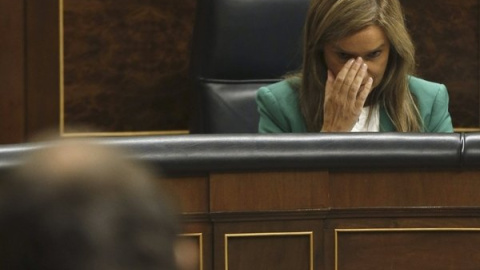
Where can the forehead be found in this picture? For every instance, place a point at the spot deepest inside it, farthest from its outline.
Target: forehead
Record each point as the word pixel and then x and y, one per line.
pixel 365 40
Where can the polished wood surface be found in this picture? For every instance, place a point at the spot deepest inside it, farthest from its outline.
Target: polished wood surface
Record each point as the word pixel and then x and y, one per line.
pixel 280 244
pixel 191 193
pixel 446 37
pixel 417 248
pixel 335 219
pixel 268 191
pixel 12 96
pixel 404 188
pixel 201 233
pixel 126 65
pixel 42 67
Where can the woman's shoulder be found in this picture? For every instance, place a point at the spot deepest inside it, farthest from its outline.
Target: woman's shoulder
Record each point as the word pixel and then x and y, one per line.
pixel 423 88
pixel 283 91
pixel 432 102
pixel 285 88
pixel 428 94
pixel 279 109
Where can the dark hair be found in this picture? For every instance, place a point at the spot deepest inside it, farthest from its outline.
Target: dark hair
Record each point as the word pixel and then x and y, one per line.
pixel 81 206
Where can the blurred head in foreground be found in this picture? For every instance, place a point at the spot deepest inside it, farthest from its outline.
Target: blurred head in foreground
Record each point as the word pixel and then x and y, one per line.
pixel 76 205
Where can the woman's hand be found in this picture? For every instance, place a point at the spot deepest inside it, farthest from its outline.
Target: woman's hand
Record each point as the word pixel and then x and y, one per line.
pixel 345 96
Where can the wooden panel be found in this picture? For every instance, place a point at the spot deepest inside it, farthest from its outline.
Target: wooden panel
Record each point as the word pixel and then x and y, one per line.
pixel 285 250
pixel 268 245
pixel 202 232
pixel 404 188
pixel 42 72
pixel 444 219
pixel 268 191
pixel 126 64
pixel 445 32
pixel 420 248
pixel 104 86
pixel 191 193
pixel 191 247
pixel 12 92
pixel 446 35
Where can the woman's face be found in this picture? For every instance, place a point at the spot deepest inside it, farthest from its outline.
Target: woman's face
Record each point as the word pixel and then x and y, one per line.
pixel 371 44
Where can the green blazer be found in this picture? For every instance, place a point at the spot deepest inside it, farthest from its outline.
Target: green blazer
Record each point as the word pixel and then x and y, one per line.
pixel 280 113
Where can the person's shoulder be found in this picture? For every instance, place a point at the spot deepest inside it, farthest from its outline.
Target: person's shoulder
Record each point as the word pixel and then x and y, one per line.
pixel 284 88
pixel 278 106
pixel 423 88
pixel 428 94
pixel 283 92
pixel 432 101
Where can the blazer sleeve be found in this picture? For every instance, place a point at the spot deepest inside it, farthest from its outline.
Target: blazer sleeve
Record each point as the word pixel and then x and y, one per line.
pixel 440 120
pixel 271 116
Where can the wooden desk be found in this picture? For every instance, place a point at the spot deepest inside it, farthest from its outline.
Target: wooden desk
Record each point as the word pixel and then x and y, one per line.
pixel 320 201
pixel 335 219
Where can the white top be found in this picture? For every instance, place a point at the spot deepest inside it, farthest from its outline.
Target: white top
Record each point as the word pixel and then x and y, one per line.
pixel 372 126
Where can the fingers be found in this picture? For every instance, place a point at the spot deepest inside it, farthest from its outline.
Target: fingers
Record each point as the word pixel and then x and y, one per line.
pixel 330 79
pixel 345 95
pixel 350 78
pixel 329 88
pixel 363 93
pixel 357 82
pixel 342 83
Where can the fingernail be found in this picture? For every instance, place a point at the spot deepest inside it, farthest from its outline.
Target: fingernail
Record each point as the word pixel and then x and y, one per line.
pixel 329 75
pixel 359 59
pixel 350 61
pixel 364 66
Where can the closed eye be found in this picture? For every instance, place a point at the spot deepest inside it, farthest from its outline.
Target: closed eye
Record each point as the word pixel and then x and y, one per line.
pixel 374 54
pixel 344 56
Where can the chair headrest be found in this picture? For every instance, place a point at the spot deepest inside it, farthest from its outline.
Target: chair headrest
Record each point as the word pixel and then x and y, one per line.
pixel 238 39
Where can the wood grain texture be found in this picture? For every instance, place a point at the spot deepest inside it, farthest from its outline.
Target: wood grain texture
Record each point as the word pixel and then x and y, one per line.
pixel 191 193
pixel 269 252
pixel 404 189
pixel 262 249
pixel 203 235
pixel 12 55
pixel 446 36
pixel 42 66
pixel 126 64
pixel 268 191
pixel 422 249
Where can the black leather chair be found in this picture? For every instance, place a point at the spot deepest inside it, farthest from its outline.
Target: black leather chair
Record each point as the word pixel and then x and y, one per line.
pixel 239 46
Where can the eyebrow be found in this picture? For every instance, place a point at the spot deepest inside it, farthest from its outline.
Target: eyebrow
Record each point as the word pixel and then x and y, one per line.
pixel 338 49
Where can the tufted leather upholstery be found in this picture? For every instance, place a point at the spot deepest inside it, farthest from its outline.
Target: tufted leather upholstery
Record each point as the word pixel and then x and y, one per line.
pixel 247 152
pixel 239 46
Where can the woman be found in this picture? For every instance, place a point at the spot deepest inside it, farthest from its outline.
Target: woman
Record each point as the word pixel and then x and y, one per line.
pixel 356 76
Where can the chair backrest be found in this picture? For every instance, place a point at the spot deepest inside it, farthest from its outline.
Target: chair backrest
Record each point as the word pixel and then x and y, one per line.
pixel 239 46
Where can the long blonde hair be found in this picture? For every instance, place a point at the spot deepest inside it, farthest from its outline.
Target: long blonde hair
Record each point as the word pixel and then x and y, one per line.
pixel 331 20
